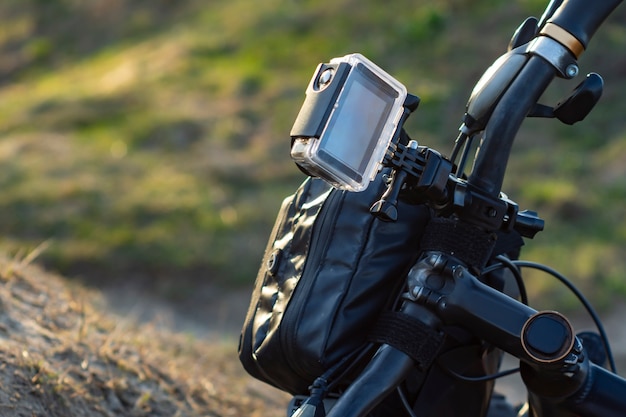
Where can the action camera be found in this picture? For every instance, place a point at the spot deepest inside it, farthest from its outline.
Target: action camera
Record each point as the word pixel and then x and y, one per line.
pixel 350 114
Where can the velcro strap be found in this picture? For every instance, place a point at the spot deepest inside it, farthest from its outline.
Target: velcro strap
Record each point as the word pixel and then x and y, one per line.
pixel 408 335
pixel 464 241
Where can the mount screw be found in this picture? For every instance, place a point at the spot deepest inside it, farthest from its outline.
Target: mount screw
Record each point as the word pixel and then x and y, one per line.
pixel 571 71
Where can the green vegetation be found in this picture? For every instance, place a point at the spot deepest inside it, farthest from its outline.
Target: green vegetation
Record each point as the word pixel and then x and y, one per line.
pixel 147 140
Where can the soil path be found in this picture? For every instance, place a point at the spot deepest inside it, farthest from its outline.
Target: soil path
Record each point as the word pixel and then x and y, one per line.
pixel 219 318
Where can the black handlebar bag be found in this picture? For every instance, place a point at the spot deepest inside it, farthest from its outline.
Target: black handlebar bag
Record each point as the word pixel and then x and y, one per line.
pixel 330 268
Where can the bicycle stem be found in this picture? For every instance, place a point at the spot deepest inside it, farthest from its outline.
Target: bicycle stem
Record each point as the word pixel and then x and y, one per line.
pixel 554 365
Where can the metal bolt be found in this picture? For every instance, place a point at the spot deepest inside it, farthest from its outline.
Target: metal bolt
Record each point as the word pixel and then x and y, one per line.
pixel 571 71
pixel 458 272
pixel 415 291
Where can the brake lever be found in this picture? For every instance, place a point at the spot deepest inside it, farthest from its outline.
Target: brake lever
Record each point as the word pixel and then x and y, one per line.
pixel 577 105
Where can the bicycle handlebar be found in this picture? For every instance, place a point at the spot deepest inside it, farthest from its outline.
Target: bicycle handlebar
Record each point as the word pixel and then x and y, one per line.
pixel 581 18
pixel 491 160
pixel 604 395
pixel 387 369
pixel 544 342
pixel 571 25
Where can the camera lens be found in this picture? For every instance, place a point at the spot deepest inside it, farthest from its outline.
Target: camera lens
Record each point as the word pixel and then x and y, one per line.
pixel 324 79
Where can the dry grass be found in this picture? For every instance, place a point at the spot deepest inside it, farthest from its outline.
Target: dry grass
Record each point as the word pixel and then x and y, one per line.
pixel 61 356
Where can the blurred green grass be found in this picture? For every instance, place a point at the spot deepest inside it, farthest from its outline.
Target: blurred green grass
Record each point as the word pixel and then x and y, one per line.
pixel 147 140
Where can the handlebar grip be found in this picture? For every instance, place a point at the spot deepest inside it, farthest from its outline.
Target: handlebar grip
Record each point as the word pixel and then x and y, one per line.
pixel 581 18
pixel 603 395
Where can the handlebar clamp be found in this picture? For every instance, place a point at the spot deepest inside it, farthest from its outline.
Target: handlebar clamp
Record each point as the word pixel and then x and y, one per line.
pixel 559 56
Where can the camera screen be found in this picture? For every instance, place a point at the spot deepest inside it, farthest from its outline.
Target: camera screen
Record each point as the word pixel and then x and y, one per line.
pixel 355 128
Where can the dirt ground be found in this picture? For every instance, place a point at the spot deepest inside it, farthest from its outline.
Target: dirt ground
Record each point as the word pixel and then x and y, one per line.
pixel 62 353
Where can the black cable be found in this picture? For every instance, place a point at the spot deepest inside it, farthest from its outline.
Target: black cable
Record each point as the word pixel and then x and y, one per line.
pixel 458 144
pixel 581 298
pixel 409 408
pixel 482 378
pixel 405 402
pixel 519 280
pixel 464 157
pixel 354 358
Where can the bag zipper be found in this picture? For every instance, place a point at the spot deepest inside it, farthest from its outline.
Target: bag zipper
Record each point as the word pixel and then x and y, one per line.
pixel 322 229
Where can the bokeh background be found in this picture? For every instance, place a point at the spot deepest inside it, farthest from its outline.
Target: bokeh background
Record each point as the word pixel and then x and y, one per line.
pixel 146 141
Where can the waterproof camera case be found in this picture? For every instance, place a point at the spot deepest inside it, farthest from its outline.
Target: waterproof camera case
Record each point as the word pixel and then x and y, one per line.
pixel 350 115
